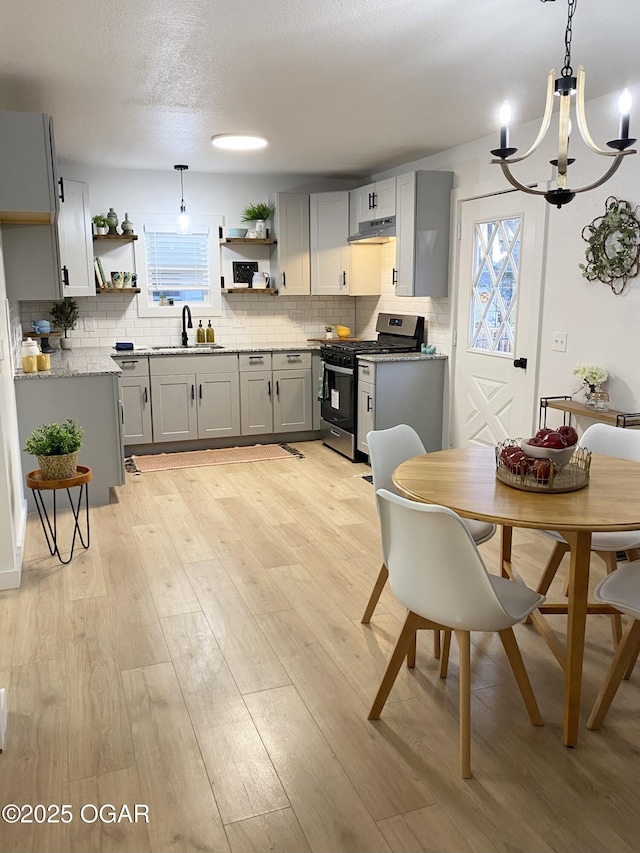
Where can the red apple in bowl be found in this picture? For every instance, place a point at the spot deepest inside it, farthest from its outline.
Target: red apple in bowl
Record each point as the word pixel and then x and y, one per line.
pixel 569 433
pixel 554 440
pixel 542 432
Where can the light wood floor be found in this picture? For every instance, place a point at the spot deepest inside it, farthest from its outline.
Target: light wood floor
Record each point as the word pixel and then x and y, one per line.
pixel 205 657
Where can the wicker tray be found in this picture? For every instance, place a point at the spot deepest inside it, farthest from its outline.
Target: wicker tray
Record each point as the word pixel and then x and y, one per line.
pixel 574 475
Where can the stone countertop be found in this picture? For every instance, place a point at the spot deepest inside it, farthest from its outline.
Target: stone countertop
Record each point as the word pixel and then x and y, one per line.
pixel 407 356
pixel 98 361
pixel 83 361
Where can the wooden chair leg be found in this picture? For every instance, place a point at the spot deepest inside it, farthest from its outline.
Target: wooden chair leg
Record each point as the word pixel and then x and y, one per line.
pixel 411 654
pixel 611 563
pixel 522 678
pixel 437 648
pixel 464 644
pixel 626 651
pixel 405 639
pixel 383 574
pixel 444 657
pixel 632 554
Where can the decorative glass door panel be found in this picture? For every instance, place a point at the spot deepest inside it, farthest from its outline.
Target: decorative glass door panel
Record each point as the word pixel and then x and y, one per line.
pixel 494 291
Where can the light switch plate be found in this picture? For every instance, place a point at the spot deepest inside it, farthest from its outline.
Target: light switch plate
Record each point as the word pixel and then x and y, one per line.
pixel 559 341
pixel 90 324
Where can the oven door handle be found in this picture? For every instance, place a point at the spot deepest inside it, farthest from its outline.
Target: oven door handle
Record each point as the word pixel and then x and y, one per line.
pixel 348 371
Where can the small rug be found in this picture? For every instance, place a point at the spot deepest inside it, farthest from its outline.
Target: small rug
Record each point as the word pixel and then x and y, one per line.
pixel 368 478
pixel 221 456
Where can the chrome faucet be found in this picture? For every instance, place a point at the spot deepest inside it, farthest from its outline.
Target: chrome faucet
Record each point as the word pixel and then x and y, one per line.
pixel 186 311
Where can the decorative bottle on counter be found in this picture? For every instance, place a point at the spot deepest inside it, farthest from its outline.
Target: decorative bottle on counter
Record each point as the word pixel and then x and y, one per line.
pixel 200 333
pixel 210 333
pixel 29 353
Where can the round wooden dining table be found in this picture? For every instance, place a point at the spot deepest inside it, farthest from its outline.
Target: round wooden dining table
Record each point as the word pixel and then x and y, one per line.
pixel 464 480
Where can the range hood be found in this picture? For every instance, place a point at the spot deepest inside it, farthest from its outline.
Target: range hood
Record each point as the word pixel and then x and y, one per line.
pixel 375 231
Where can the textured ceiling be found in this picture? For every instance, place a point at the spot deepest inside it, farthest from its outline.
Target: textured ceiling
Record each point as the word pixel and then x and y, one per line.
pixel 339 87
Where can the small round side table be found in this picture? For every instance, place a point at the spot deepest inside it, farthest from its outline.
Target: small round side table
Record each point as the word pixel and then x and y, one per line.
pixel 38 485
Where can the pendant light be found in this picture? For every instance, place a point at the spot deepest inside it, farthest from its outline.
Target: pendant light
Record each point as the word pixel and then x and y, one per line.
pixel 183 223
pixel 565 87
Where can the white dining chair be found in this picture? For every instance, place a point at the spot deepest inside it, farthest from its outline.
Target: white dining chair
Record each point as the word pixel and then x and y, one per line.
pixel 437 573
pixel 388 448
pixel 610 441
pixel 622 591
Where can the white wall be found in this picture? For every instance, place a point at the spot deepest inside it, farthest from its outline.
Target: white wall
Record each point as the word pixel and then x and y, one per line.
pixel 12 503
pixel 602 328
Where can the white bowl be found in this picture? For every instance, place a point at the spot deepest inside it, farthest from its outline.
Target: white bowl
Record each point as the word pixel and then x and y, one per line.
pixel 237 232
pixel 560 457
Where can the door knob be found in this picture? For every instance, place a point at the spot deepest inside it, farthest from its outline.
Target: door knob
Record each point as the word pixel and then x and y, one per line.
pixel 520 362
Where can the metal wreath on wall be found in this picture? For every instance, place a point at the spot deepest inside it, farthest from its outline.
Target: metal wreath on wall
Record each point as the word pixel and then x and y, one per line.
pixel 614 245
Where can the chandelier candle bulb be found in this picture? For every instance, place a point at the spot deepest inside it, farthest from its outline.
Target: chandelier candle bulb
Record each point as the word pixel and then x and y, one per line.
pixel 624 105
pixel 505 118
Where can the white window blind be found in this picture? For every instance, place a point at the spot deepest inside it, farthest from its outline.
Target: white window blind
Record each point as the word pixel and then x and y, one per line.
pixel 178 265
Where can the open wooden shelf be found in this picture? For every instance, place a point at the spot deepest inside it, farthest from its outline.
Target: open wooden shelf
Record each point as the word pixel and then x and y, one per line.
pixel 256 241
pixel 102 290
pixel 26 335
pixel 573 407
pixel 115 238
pixel 270 290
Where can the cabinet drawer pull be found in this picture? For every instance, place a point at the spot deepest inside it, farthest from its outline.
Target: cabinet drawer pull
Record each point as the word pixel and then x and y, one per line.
pixel 128 361
pixel 269 387
pixel 61 185
pixel 193 392
pixel 200 391
pixel 65 276
pixel 146 395
pixel 258 359
pixel 284 280
pixel 368 403
pixel 344 278
pixel 293 356
pixel 277 387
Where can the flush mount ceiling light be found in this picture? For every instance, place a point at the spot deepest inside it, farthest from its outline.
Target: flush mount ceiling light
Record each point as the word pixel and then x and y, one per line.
pixel 183 223
pixel 565 87
pixel 238 141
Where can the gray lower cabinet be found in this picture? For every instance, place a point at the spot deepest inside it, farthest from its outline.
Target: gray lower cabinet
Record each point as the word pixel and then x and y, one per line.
pixel 408 391
pixel 275 392
pixel 135 396
pixel 194 397
pixel 93 402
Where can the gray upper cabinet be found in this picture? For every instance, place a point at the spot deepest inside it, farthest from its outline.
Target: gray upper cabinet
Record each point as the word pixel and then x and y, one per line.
pixel 28 180
pixel 329 218
pixel 290 265
pixel 422 233
pixel 373 201
pixel 49 261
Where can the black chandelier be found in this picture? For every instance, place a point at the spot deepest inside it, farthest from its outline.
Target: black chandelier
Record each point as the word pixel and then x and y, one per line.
pixel 565 87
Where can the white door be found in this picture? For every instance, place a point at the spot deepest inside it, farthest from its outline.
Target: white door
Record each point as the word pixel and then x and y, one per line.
pixel 497 324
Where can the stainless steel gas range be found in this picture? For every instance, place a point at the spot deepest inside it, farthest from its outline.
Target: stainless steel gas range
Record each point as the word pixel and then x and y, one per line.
pixel 397 333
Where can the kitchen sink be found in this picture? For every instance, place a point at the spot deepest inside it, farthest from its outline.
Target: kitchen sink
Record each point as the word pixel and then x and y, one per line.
pixel 191 346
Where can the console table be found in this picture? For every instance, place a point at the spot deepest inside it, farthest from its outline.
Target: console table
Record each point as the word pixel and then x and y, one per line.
pixel 572 407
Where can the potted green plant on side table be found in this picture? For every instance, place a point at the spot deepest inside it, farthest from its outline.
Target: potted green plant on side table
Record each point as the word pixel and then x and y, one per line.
pixel 258 214
pixel 65 315
pixel 56 448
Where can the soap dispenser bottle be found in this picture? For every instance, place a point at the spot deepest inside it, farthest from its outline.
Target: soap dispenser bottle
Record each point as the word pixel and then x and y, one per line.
pixel 200 333
pixel 210 333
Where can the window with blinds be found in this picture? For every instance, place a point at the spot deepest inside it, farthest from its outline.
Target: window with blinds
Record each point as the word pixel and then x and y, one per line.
pixel 178 265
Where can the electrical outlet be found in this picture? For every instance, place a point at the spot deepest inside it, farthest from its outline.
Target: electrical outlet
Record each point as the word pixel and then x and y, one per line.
pixel 237 322
pixel 90 324
pixel 559 341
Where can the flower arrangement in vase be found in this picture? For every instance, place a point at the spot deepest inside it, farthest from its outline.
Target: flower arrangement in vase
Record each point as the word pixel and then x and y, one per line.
pixel 258 214
pixel 56 448
pixel 592 377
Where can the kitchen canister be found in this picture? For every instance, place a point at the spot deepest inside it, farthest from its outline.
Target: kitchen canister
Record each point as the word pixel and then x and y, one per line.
pixel 29 353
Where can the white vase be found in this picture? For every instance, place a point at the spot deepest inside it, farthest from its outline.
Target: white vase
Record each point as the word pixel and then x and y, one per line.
pixel 260 227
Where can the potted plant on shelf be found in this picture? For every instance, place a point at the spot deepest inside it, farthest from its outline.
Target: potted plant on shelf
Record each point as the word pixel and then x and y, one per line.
pixel 329 332
pixel 258 214
pixel 100 224
pixel 56 448
pixel 65 315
